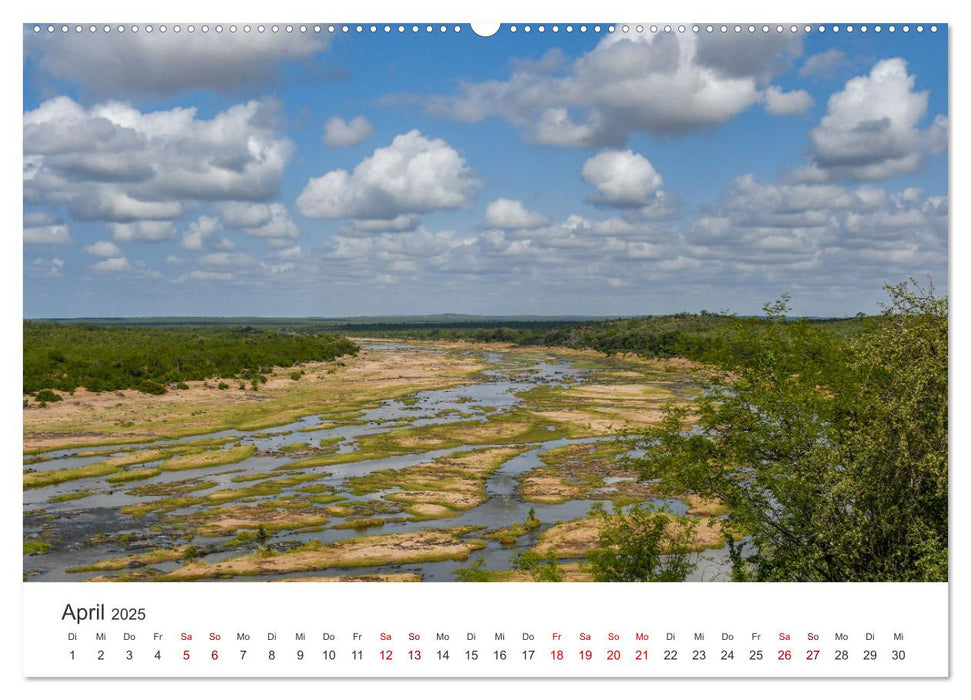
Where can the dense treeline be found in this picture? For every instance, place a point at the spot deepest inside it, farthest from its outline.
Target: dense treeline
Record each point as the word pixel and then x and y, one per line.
pixel 66 356
pixel 144 354
pixel 703 337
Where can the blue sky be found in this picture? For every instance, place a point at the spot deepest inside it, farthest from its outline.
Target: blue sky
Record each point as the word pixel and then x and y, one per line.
pixel 582 173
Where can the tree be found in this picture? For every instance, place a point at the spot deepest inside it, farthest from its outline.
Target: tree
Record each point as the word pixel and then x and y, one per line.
pixel 532 522
pixel 474 572
pixel 641 544
pixel 830 453
pixel 262 537
pixel 539 568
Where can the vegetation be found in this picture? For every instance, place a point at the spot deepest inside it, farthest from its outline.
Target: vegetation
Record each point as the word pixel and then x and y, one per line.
pixel 474 573
pixel 46 396
pixel 132 475
pixel 536 565
pixel 36 546
pixel 262 537
pixel 51 477
pixel 816 449
pixel 100 357
pixel 531 522
pixel 642 544
pixel 700 336
pixel 72 496
pixel 830 453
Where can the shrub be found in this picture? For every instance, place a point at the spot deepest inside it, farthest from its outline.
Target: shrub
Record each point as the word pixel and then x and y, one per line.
pixel 45 396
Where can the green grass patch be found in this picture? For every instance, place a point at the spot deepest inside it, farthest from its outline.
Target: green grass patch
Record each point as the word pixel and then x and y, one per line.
pixel 132 475
pixel 39 479
pixel 36 546
pixel 156 556
pixel 73 496
pixel 211 458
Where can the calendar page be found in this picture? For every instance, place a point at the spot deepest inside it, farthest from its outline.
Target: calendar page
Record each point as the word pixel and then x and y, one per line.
pixel 519 350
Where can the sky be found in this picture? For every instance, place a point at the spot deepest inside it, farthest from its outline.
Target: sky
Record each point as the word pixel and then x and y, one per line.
pixel 554 173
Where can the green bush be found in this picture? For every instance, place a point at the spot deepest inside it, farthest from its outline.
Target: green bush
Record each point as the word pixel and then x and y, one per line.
pixel 46 396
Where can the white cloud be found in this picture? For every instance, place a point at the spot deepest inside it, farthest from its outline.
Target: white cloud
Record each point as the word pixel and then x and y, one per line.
pixel 555 128
pixel 168 63
pixel 44 267
pixel 402 222
pixel 622 178
pixel 117 264
pixel 813 239
pixel 822 234
pixel 338 133
pixel 278 268
pixel 260 220
pixel 244 214
pixel 103 249
pixel 199 231
pixel 111 162
pixel 413 175
pixel 226 259
pixel 661 84
pixel 511 214
pixel 52 234
pixel 871 130
pixel 152 231
pixel 208 276
pixel 37 218
pixel 823 65
pixel 785 103
pixel 280 225
pixel 106 203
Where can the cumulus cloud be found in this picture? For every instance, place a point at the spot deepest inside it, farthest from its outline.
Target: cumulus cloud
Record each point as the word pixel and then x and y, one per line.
pixel 872 128
pixel 279 224
pixel 413 175
pixel 291 253
pixel 260 220
pixel 116 264
pixel 823 65
pixel 168 63
pixel 226 259
pixel 583 251
pixel 338 133
pixel 817 239
pixel 103 249
pixel 511 214
pixel 111 162
pixel 780 102
pixel 151 231
pixel 402 222
pixel 195 237
pixel 822 234
pixel 661 84
pixel 224 243
pixel 622 178
pixel 50 234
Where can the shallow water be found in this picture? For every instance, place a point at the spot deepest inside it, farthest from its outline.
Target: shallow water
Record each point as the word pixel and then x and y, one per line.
pixel 87 530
